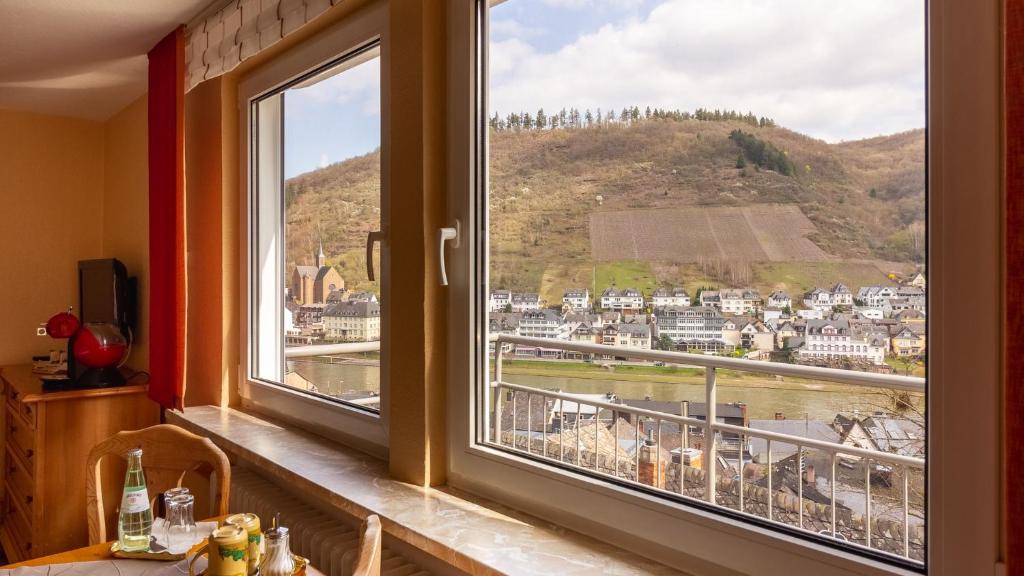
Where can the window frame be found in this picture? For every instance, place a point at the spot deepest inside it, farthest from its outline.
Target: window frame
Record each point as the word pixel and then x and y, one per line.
pixel 963 67
pixel 337 420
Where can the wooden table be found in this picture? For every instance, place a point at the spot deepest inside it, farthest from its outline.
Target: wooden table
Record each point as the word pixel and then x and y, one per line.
pixel 100 552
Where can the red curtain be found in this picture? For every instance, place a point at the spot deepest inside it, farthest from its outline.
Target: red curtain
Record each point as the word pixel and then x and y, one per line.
pixel 167 220
pixel 1013 92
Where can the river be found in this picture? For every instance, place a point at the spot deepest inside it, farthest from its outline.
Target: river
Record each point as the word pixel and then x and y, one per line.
pixel 763 397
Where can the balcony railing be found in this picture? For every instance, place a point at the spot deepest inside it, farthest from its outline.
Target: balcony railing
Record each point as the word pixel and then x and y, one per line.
pixel 646 466
pixel 330 349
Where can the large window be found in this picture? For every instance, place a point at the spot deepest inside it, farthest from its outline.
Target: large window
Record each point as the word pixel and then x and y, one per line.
pixel 705 257
pixel 318 306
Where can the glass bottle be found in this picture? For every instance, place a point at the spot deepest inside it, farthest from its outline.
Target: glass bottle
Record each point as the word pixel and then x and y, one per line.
pixel 277 559
pixel 135 521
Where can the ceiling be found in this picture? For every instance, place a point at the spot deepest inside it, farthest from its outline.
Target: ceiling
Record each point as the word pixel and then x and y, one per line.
pixel 85 59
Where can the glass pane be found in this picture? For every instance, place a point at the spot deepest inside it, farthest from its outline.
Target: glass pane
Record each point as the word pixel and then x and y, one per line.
pixel 715 178
pixel 332 200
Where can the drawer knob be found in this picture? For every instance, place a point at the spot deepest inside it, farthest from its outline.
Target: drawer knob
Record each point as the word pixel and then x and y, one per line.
pixel 28 499
pixel 29 453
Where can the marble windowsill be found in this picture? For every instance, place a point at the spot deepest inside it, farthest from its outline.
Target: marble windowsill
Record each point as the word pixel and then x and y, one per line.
pixel 476 536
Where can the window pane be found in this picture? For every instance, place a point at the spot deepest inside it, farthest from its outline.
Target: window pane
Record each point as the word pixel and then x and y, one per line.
pixel 716 179
pixel 331 200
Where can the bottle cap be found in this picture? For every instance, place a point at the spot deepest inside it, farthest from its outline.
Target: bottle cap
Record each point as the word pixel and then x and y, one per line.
pixel 276 533
pixel 134 452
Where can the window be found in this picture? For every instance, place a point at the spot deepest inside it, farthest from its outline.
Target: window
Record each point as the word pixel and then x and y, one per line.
pixel 743 157
pixel 318 329
pixel 326 128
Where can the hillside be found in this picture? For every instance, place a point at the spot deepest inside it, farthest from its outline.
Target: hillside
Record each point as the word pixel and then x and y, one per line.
pixel 658 202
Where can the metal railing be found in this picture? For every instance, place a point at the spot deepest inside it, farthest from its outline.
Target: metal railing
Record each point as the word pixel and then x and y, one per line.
pixel 712 429
pixel 329 349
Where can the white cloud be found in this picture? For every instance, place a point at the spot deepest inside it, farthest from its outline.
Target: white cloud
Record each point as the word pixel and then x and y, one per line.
pixel 323 160
pixel 834 70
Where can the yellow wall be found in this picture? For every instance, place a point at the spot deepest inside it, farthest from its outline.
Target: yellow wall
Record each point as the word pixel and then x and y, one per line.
pixel 51 216
pixel 126 209
pixel 69 190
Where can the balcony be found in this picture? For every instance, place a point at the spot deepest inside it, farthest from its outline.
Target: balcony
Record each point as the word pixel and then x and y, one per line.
pixel 846 495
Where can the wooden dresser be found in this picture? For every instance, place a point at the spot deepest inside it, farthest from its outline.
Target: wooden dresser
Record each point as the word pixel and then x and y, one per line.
pixel 47 438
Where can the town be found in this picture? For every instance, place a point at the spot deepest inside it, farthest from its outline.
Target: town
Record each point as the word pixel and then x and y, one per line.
pixel 876 329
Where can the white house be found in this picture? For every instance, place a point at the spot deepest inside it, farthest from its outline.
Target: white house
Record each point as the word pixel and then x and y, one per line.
pixel 524 302
pixel 542 323
pixel 810 314
pixel 499 300
pixel 626 300
pixel 779 299
pixel 875 296
pixel 692 325
pixel 669 297
pixel 834 339
pixel 576 298
pixel 350 321
pixel 740 300
pixel 631 334
pixel 825 300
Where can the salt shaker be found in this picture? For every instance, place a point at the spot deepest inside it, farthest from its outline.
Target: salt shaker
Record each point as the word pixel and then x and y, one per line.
pixel 277 559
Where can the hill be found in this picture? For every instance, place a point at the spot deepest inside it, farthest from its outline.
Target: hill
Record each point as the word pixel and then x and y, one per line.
pixel 661 201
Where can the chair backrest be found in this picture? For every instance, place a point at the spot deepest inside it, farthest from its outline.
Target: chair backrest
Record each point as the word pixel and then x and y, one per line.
pixel 168 453
pixel 368 561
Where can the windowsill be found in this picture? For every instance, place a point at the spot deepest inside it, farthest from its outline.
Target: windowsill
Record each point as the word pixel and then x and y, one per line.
pixel 469 533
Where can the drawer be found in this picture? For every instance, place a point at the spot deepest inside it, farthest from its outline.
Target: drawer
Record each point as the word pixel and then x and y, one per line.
pixel 25 410
pixel 18 528
pixel 21 438
pixel 20 488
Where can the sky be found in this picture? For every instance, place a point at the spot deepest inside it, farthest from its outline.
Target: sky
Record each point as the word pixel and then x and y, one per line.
pixel 832 69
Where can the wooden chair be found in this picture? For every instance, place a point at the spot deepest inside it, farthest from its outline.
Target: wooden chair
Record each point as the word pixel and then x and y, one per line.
pixel 168 453
pixel 365 560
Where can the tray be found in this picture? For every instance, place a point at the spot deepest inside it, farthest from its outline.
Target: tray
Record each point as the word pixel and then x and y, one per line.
pixel 300 567
pixel 155 552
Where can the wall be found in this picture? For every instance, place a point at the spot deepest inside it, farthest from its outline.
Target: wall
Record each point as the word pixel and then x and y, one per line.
pixel 126 209
pixel 69 190
pixel 51 216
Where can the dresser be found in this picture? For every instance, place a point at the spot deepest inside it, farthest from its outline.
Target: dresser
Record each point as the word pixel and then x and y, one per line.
pixel 47 438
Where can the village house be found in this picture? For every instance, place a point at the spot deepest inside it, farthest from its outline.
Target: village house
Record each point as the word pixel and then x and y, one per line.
pixel 747 332
pixel 576 298
pixel 710 298
pixel 351 321
pixel 698 327
pixel 669 297
pixel 875 296
pixel 825 300
pixel 499 300
pixel 740 301
pixel 631 334
pixel 881 432
pixel 627 300
pixel 811 313
pixel 780 300
pixel 524 302
pixel 834 340
pixel 542 323
pixel 906 342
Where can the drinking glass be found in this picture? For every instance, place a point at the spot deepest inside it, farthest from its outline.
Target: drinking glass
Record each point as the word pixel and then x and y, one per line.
pixel 181 524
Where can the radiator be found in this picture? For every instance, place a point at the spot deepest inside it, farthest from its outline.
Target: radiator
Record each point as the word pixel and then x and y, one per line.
pixel 322 537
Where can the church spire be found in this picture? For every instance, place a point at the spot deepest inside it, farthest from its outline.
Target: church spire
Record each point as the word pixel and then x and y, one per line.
pixel 320 258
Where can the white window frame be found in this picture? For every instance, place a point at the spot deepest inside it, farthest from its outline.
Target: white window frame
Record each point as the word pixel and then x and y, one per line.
pixel 965 203
pixel 333 419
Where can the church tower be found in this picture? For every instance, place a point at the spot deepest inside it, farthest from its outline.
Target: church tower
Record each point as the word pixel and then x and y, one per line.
pixel 320 258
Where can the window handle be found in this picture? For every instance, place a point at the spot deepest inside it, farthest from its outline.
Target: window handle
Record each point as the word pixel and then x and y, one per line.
pixel 371 238
pixel 444 235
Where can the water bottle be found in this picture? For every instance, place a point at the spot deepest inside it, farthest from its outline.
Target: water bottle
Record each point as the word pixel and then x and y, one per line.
pixel 135 521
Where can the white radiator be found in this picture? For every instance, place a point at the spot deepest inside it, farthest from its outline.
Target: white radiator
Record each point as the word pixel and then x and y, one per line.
pixel 315 534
